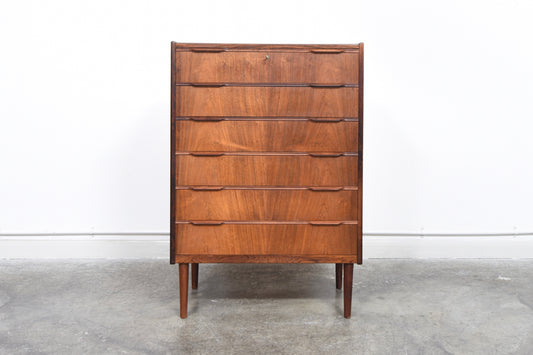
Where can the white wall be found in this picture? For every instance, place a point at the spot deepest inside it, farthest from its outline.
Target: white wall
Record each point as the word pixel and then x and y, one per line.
pixel 84 107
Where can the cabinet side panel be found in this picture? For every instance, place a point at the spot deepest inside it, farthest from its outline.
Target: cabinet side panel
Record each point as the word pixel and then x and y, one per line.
pixel 172 151
pixel 360 160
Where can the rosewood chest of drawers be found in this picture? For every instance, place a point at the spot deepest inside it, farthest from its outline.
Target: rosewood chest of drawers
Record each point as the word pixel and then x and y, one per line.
pixel 266 157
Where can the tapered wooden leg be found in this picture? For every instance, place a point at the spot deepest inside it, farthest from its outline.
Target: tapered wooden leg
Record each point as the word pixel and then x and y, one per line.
pixel 194 276
pixel 184 284
pixel 338 276
pixel 348 279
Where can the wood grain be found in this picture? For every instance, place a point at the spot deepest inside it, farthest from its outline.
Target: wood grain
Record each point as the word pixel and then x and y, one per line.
pixel 267 101
pixel 184 288
pixel 265 46
pixel 266 170
pixel 194 275
pixel 348 283
pixel 173 144
pixel 265 239
pixel 360 161
pixel 266 205
pixel 338 276
pixel 262 259
pixel 240 187
pixel 273 66
pixel 267 136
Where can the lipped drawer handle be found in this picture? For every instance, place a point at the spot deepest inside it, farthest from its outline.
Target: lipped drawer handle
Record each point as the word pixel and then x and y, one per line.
pixel 326 155
pixel 325 223
pixel 206 223
pixel 326 86
pixel 209 50
pixel 207 119
pixel 207 85
pixel 207 188
pixel 325 188
pixel 206 154
pixel 325 120
pixel 327 51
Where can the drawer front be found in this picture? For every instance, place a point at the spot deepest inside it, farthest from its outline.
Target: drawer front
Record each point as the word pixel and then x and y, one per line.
pixel 265 136
pixel 266 170
pixel 266 205
pixel 250 101
pixel 279 67
pixel 266 239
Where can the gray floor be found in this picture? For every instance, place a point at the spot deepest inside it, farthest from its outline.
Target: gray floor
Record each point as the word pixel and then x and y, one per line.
pixel 400 307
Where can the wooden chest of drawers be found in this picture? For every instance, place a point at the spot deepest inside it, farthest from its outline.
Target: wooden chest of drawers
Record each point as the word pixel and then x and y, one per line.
pixel 266 157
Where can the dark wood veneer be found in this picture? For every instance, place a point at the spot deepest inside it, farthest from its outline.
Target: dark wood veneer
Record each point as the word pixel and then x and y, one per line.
pixel 173 143
pixel 266 136
pixel 299 205
pixel 266 259
pixel 266 157
pixel 267 101
pixel 274 66
pixel 266 239
pixel 266 170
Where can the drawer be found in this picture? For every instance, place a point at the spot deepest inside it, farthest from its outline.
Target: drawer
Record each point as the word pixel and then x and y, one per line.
pixel 267 67
pixel 254 101
pixel 266 135
pixel 262 170
pixel 335 204
pixel 265 239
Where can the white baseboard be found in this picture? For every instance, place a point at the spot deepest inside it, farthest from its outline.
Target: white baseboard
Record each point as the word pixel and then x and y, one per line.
pixel 449 247
pixel 125 246
pixel 138 246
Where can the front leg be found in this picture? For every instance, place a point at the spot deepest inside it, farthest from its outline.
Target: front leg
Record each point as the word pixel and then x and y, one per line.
pixel 348 279
pixel 184 288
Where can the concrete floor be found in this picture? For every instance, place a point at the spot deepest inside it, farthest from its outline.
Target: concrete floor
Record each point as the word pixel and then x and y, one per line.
pixel 399 307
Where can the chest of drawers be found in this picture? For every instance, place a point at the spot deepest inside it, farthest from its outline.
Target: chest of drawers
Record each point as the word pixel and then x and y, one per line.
pixel 266 157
